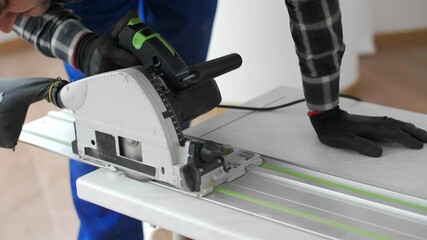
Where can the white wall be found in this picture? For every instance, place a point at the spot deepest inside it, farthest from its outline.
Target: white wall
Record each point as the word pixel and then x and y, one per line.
pixel 399 15
pixel 365 29
pixel 259 32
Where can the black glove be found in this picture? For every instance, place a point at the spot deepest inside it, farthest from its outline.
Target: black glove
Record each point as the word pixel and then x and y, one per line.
pixel 16 96
pixel 96 54
pixel 339 129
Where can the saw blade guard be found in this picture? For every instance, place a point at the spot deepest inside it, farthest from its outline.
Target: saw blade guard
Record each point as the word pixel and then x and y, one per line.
pixel 126 121
pixel 121 111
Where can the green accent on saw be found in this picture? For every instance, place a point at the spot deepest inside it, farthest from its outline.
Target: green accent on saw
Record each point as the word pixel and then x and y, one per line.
pixel 301 214
pixel 68 144
pixel 139 39
pixel 226 150
pixel 134 21
pixel 344 187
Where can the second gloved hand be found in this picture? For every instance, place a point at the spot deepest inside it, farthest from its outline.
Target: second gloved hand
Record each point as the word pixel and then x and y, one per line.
pixel 337 128
pixel 96 54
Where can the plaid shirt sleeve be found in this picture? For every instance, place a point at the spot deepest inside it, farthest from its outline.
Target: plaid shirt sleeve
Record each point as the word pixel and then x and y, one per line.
pixel 54 34
pixel 317 32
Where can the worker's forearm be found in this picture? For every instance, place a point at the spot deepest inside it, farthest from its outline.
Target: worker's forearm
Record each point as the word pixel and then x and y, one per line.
pixel 317 32
pixel 54 34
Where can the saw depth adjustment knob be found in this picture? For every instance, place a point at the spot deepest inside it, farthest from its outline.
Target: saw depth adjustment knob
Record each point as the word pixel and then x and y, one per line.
pixel 210 151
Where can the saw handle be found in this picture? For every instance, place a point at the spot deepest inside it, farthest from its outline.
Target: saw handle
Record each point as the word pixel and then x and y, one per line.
pixel 214 68
pixel 153 52
pixel 156 54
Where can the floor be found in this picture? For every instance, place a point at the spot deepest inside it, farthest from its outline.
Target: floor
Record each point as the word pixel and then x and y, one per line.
pixel 37 202
pixel 396 75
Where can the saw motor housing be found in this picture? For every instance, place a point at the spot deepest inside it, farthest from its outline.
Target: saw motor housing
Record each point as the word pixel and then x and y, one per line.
pixel 130 119
pixel 126 120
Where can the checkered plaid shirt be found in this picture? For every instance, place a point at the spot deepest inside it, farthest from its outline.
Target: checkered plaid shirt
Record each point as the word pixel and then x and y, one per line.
pixel 315 25
pixel 317 32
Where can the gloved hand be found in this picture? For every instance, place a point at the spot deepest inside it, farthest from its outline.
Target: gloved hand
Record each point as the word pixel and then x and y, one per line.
pixel 16 96
pixel 339 129
pixel 95 54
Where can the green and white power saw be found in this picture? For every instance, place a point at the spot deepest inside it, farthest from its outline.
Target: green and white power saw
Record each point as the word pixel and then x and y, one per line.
pixel 130 119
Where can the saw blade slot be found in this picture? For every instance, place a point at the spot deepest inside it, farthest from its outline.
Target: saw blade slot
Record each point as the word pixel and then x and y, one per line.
pixel 130 148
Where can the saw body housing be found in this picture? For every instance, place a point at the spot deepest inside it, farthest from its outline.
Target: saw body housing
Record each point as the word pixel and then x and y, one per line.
pixel 125 120
pixel 130 119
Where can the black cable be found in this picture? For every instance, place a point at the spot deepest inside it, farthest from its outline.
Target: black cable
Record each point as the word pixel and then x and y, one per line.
pixel 264 109
pixel 351 97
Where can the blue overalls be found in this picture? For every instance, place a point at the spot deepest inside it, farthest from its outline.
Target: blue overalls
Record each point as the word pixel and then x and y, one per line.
pixel 186 25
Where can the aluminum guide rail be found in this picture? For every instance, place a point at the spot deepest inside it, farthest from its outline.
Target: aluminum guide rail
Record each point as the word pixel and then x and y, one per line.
pixel 284 193
pixel 325 210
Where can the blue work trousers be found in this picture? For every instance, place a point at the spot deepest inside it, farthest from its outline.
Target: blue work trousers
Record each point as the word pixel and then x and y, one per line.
pixel 186 25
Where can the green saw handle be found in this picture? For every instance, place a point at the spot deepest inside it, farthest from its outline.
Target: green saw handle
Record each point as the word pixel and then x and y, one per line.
pixel 154 52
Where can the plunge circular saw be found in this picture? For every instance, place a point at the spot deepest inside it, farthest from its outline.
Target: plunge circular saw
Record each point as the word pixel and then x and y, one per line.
pixel 130 119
